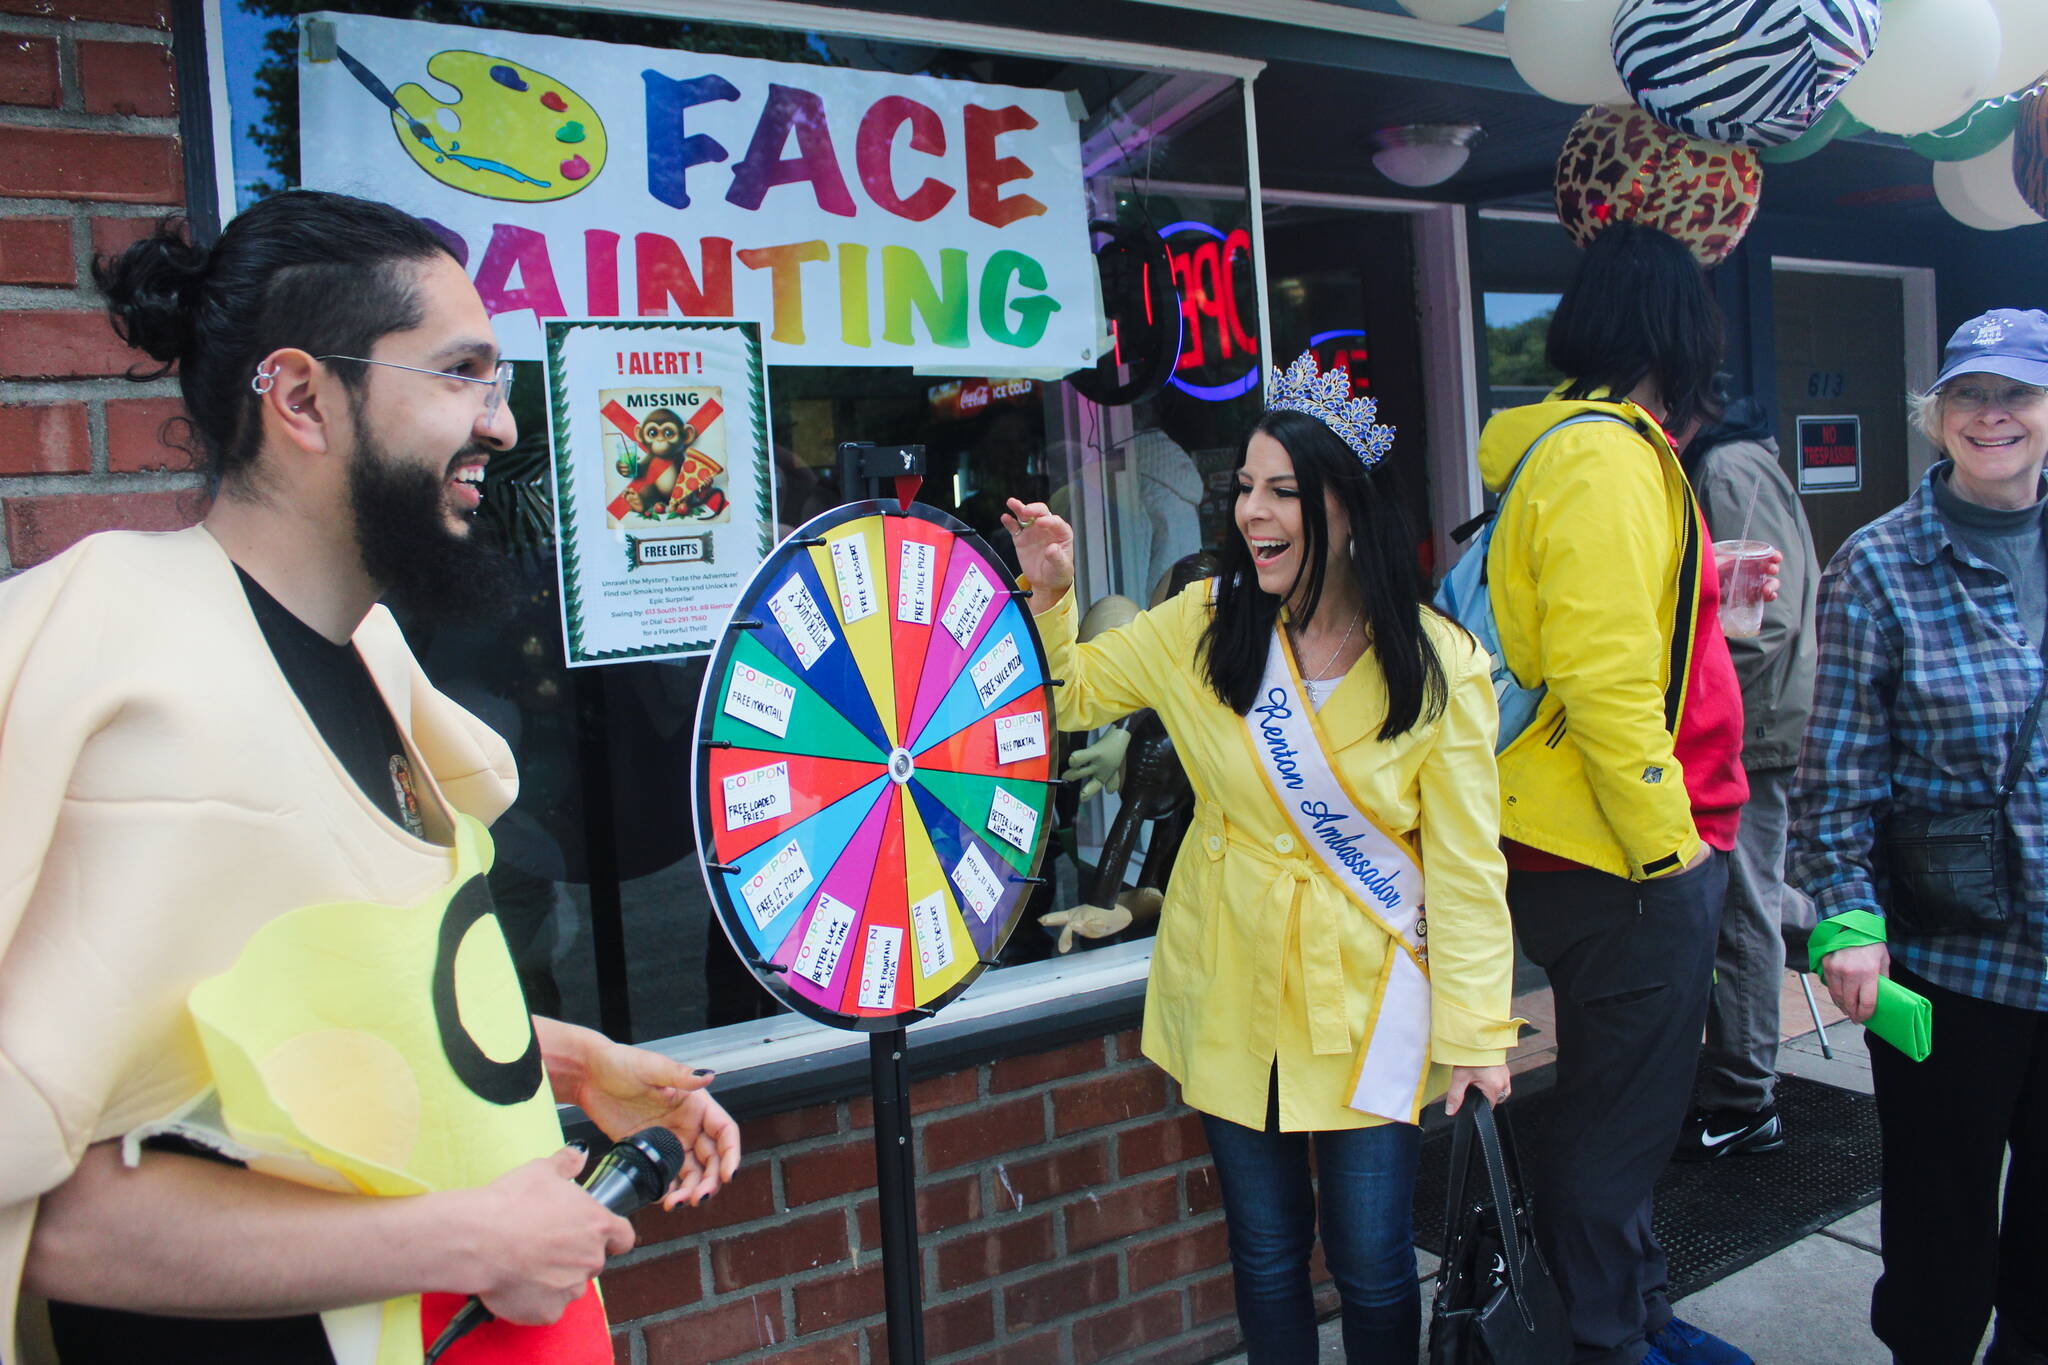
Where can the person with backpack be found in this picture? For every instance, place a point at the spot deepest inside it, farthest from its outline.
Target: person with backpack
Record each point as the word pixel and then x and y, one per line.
pixel 1621 797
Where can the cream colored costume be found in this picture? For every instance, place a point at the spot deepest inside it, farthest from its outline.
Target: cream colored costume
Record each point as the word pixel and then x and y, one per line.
pixel 168 804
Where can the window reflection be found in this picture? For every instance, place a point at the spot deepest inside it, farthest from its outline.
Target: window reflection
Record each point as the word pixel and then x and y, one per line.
pixel 597 880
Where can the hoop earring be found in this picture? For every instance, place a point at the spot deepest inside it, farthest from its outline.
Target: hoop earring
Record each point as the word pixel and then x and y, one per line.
pixel 265 380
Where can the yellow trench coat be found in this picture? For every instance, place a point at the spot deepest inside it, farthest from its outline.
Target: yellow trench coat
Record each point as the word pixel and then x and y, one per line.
pixel 1260 955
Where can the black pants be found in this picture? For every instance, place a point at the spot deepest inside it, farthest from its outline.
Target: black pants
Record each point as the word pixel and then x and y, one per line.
pixel 1631 965
pixel 1948 1123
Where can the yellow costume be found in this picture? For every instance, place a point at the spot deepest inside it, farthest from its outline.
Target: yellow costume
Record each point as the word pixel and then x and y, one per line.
pixel 1260 956
pixel 206 927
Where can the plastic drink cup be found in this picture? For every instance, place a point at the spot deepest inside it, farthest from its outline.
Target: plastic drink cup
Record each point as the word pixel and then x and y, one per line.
pixel 1741 567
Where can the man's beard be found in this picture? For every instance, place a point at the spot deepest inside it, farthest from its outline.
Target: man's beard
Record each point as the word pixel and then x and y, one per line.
pixel 402 533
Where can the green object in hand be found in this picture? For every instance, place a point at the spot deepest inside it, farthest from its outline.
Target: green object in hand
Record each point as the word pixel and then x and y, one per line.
pixel 1903 1018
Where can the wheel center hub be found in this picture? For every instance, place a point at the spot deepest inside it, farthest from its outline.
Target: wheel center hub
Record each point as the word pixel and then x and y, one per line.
pixel 901 766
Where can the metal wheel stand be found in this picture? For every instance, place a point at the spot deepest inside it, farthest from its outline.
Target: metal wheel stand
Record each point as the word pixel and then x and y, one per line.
pixel 896 1191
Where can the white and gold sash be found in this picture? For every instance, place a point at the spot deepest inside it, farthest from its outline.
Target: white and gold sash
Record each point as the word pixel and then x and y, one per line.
pixel 1377 870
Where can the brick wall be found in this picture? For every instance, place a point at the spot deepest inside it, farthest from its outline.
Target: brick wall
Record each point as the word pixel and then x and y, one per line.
pixel 89 158
pixel 1067 1213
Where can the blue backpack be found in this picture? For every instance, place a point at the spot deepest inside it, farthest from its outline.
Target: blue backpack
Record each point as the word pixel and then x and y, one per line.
pixel 1465 597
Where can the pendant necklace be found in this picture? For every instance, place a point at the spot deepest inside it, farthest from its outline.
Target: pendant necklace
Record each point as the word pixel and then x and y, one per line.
pixel 1331 657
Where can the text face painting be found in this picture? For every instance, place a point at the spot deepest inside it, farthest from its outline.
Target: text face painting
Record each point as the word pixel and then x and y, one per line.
pixel 664 456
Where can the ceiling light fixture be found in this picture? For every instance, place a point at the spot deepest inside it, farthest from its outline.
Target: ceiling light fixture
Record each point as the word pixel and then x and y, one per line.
pixel 1418 154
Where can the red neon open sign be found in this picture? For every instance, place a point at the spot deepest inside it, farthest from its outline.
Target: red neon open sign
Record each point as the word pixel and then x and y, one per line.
pixel 1213 334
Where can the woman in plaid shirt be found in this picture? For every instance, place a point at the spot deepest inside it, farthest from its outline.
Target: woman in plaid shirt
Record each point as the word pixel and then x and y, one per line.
pixel 1933 620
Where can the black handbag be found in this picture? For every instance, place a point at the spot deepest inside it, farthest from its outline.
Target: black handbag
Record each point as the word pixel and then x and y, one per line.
pixel 1952 873
pixel 1495 1301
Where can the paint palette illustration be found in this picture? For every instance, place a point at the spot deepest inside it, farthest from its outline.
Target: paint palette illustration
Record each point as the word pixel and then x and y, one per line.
pixel 874 764
pixel 510 132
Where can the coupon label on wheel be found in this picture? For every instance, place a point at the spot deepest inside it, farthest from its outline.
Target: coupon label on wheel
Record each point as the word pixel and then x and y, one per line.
pixel 1012 821
pixel 817 959
pixel 802 621
pixel 878 967
pixel 771 890
pixel 856 582
pixel 1020 737
pixel 755 796
pixel 760 700
pixel 914 583
pixel 978 883
pixel 996 670
pixel 934 943
pixel 969 605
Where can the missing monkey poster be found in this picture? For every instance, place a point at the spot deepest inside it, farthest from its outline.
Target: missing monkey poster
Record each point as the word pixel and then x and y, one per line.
pixel 664 482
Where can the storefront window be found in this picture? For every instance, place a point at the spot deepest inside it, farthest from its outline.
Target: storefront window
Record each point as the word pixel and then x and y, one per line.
pixel 598 881
pixel 1516 325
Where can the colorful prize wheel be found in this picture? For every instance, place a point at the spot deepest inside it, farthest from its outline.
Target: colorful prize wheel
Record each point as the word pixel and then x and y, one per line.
pixel 874 765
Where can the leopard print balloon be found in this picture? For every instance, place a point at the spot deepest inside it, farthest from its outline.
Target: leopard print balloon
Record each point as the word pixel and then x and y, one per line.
pixel 2030 152
pixel 1619 163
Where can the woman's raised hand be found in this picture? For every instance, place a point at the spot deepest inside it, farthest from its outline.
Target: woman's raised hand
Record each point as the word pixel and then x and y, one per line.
pixel 1045 550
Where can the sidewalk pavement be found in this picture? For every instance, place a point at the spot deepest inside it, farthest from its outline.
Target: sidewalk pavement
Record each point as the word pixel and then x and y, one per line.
pixel 1808 1304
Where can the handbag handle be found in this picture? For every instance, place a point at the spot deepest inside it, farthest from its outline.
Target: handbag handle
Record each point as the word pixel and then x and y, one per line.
pixel 2020 746
pixel 1477 1118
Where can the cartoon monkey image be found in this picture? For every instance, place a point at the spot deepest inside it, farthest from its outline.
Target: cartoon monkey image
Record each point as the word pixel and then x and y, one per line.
pixel 665 435
pixel 666 438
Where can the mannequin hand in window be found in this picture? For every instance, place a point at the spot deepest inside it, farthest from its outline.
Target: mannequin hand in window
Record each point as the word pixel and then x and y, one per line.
pixel 1045 551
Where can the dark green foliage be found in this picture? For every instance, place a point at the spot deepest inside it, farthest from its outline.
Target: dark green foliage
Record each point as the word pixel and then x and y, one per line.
pixel 1514 355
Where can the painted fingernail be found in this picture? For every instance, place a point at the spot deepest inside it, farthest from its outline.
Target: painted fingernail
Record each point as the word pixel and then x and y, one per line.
pixel 703 1071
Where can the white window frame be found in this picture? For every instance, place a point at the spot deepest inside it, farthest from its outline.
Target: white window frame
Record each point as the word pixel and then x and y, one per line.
pixel 733 1048
pixel 1446 325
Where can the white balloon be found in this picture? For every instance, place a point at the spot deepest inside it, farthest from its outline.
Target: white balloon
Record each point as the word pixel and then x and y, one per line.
pixel 1562 48
pixel 2023 53
pixel 1933 59
pixel 1980 192
pixel 1451 11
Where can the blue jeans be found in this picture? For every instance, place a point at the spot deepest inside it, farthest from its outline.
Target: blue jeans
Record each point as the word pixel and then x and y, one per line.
pixel 1367 1188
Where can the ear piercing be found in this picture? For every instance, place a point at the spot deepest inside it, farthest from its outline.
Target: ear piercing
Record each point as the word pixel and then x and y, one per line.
pixel 265 380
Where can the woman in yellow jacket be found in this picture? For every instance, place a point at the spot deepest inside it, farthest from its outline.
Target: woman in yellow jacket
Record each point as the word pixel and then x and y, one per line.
pixel 1333 728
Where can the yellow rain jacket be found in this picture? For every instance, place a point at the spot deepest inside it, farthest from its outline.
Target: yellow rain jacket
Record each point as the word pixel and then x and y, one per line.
pixel 1260 955
pixel 1587 577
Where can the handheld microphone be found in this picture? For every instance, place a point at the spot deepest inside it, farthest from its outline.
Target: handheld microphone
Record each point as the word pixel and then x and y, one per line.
pixel 632 1175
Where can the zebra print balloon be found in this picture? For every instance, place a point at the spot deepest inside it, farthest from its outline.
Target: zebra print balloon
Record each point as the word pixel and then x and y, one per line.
pixel 1752 72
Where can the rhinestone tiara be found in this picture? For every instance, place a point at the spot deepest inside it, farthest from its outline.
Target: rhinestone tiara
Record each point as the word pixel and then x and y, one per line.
pixel 1326 396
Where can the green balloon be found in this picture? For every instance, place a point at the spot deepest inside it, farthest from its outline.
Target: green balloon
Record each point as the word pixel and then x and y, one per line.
pixel 1975 133
pixel 1831 124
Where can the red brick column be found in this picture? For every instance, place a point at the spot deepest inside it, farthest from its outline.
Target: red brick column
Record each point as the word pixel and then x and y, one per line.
pixel 89 158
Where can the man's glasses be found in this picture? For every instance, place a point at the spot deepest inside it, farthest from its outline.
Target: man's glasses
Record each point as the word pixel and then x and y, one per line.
pixel 500 380
pixel 1969 398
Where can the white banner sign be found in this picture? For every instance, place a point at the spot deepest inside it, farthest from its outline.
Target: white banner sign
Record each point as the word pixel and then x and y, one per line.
pixel 862 217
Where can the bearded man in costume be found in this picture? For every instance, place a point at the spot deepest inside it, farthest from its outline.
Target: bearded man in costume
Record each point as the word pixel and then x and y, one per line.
pixel 268 1087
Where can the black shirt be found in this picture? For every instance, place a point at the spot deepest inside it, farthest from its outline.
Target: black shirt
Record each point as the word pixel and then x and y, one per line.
pixel 334 685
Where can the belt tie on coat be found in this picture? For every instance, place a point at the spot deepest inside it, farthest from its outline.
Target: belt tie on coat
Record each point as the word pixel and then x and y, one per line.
pixel 1302 907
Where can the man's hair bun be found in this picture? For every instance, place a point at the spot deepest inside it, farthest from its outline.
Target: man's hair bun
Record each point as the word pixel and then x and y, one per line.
pixel 150 290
